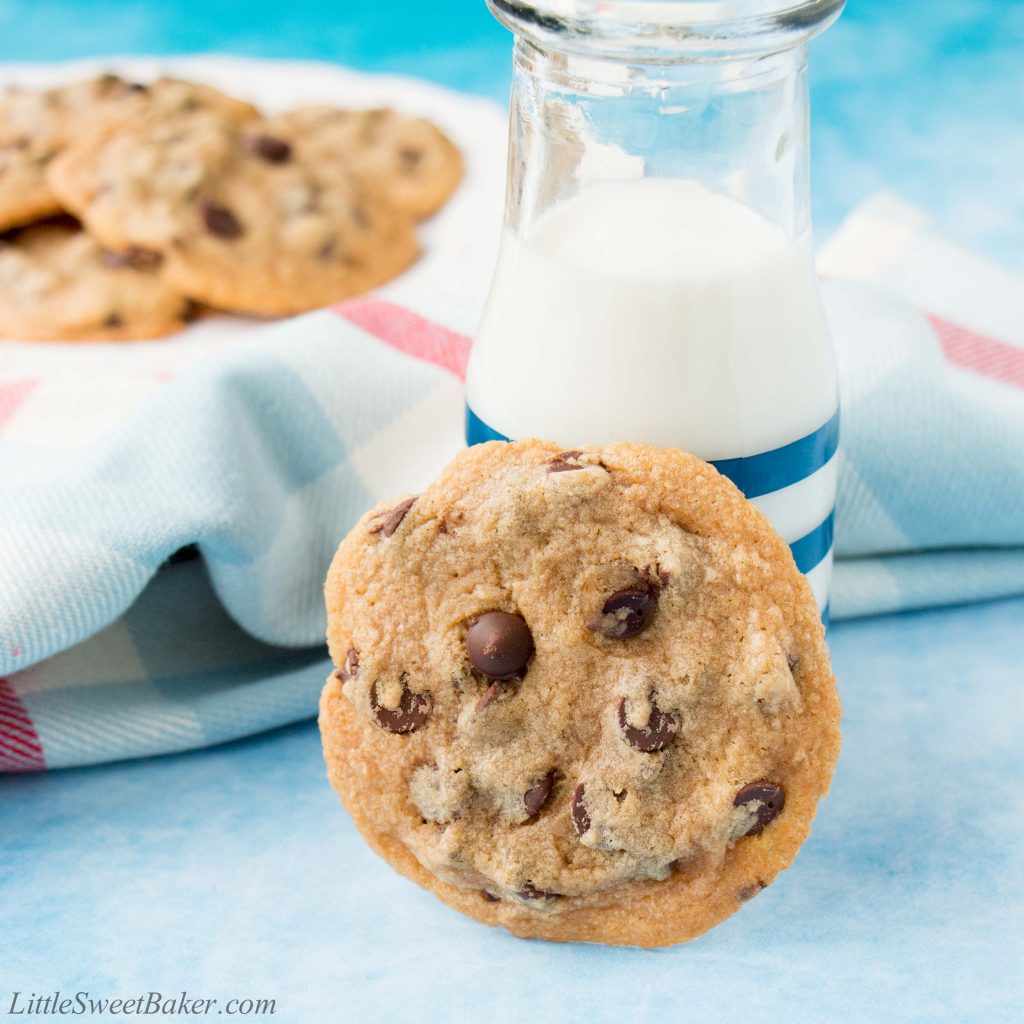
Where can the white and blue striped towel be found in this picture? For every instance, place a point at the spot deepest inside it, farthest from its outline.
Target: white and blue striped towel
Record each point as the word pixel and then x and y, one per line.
pixel 260 458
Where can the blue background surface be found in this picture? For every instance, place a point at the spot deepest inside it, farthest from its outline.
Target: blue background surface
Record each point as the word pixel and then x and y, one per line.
pixel 232 872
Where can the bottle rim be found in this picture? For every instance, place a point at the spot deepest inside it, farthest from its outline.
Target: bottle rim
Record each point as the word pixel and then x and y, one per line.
pixel 667 30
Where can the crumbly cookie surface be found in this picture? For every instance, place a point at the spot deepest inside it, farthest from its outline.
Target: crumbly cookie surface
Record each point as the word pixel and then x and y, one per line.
pixel 582 695
pixel 57 283
pixel 414 164
pixel 242 220
pixel 35 127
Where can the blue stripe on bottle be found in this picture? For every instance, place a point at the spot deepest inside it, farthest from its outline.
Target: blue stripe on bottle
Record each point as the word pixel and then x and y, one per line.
pixel 770 471
pixel 810 549
pixel 754 475
pixel 477 432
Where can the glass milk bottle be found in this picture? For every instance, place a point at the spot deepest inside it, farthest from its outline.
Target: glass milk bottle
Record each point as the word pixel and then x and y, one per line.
pixel 655 281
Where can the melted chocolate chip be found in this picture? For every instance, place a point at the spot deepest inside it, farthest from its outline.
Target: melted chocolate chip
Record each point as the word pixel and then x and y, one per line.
pixel 113 320
pixel 269 148
pixel 528 892
pixel 351 666
pixel 409 158
pixel 387 522
pixel 656 576
pixel 135 256
pixel 748 892
pixel 411 713
pixel 499 644
pixel 449 521
pixel 538 794
pixel 489 896
pixel 626 614
pixel 361 218
pixel 488 697
pixel 659 732
pixel 566 462
pixel 221 221
pixel 771 799
pixel 578 809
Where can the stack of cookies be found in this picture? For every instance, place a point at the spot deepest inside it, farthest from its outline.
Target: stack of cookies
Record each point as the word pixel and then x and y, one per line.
pixel 125 209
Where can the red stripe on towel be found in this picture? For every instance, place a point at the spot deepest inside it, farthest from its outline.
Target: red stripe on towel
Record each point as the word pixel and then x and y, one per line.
pixel 20 749
pixel 409 332
pixel 12 395
pixel 978 353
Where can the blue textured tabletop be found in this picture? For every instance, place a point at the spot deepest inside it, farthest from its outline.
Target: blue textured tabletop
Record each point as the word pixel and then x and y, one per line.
pixel 232 872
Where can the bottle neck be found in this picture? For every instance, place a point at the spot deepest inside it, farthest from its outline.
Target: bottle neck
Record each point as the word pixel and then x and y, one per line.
pixel 737 125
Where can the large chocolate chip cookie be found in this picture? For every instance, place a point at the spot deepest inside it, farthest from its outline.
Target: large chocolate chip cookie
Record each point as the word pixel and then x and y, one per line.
pixel 584 695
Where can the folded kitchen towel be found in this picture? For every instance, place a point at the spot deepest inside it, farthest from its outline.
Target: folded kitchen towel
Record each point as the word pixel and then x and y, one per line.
pixel 260 457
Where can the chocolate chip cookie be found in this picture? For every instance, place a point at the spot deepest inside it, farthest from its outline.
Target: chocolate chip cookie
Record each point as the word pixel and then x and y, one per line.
pixel 58 284
pixel 242 222
pixel 414 164
pixel 584 695
pixel 37 126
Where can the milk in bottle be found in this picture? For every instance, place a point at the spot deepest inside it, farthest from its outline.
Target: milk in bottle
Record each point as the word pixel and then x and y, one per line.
pixel 677 310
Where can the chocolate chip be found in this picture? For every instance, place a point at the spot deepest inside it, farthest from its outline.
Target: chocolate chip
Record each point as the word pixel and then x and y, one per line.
pixel 538 794
pixel 748 892
pixel 269 148
pixel 499 644
pixel 656 576
pixel 115 85
pixel 659 732
pixel 361 218
pixel 351 666
pixel 578 809
pixel 409 158
pixel 771 799
pixel 220 221
pixel 312 204
pixel 620 795
pixel 488 697
pixel 113 320
pixel 626 614
pixel 528 892
pixel 489 896
pixel 449 521
pixel 566 462
pixel 387 522
pixel 411 713
pixel 135 256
